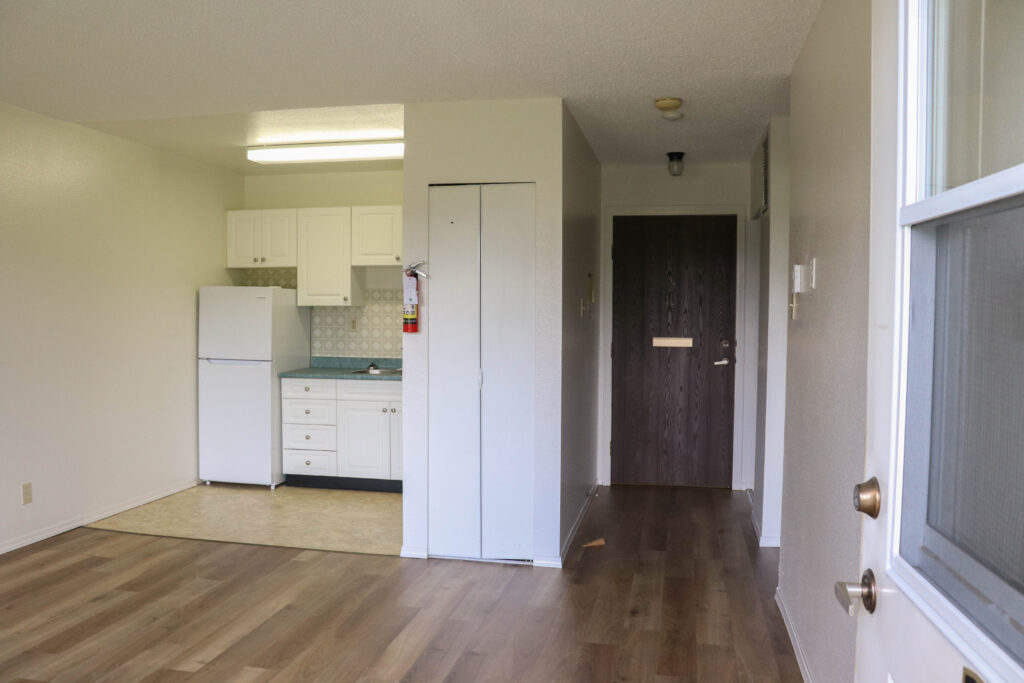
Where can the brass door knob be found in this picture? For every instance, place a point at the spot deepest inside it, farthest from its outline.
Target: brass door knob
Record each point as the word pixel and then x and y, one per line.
pixel 849 592
pixel 867 498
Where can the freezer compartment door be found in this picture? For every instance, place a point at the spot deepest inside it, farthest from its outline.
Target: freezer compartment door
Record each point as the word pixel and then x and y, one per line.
pixel 235 422
pixel 236 322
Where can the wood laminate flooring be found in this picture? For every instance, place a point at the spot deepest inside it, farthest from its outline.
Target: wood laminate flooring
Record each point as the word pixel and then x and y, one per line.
pixel 680 592
pixel 289 516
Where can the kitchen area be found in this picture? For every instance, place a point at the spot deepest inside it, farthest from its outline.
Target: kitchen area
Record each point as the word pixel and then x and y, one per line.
pixel 299 374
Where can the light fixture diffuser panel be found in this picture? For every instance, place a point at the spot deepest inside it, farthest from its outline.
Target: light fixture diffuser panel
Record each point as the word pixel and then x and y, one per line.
pixel 323 152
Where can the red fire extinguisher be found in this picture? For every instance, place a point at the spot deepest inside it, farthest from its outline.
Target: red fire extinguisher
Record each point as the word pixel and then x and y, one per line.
pixel 411 299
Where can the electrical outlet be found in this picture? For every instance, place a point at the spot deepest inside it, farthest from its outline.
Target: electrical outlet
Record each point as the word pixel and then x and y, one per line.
pixel 26 493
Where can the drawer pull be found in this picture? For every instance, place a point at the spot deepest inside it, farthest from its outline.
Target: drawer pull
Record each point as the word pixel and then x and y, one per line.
pixel 307 411
pixel 307 388
pixel 307 437
pixel 307 462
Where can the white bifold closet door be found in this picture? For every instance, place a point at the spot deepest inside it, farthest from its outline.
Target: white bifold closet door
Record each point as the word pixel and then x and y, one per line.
pixel 481 370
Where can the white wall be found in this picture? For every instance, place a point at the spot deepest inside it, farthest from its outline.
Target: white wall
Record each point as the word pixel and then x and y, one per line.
pixel 104 244
pixel 703 188
pixel 826 365
pixel 773 315
pixel 352 188
pixel 581 240
pixel 481 142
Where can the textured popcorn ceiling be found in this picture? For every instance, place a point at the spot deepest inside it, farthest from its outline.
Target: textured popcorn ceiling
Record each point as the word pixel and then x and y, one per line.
pixel 96 61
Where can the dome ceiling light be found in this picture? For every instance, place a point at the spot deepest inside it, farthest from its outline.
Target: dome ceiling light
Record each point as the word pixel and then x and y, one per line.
pixel 669 108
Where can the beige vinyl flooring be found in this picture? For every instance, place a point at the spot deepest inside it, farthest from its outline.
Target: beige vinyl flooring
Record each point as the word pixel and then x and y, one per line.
pixel 289 516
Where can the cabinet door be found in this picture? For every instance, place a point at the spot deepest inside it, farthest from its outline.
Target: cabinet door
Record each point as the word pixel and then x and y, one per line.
pixel 279 242
pixel 324 260
pixel 364 439
pixel 376 235
pixel 243 239
pixel 396 440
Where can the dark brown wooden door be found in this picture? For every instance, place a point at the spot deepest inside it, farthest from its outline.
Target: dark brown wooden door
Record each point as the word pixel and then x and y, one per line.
pixel 672 408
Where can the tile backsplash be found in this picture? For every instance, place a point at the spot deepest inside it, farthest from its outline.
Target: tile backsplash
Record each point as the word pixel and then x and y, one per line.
pixel 373 330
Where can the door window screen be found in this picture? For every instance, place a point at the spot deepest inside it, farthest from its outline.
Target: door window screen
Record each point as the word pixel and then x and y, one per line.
pixel 963 512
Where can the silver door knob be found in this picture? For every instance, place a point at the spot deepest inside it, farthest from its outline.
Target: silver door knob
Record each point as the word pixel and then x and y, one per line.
pixel 724 361
pixel 393 410
pixel 307 437
pixel 307 411
pixel 307 388
pixel 849 592
pixel 383 410
pixel 307 462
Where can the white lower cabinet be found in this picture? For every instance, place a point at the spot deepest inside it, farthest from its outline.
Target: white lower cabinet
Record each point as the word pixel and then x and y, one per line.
pixel 364 449
pixel 357 435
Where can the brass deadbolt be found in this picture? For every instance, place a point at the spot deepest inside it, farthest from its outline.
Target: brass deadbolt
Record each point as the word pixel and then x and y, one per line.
pixel 867 498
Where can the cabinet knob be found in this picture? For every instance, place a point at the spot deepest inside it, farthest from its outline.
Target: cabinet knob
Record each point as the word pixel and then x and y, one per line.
pixel 307 462
pixel 307 388
pixel 392 410
pixel 398 257
pixel 307 411
pixel 383 410
pixel 255 260
pixel 307 437
pixel 344 298
pixel 263 259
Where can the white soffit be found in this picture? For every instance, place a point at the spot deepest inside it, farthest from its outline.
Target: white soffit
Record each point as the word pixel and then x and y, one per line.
pixel 221 139
pixel 101 61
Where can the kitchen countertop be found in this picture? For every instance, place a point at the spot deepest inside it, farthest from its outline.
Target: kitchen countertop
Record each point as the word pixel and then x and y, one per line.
pixel 332 367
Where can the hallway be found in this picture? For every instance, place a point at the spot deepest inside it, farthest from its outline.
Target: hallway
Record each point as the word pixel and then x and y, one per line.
pixel 680 592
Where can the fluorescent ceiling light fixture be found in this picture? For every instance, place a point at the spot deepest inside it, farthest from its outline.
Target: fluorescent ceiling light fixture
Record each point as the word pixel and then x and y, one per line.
pixel 327 151
pixel 304 137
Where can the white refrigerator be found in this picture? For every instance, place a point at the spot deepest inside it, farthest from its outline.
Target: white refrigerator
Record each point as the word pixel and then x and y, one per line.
pixel 247 335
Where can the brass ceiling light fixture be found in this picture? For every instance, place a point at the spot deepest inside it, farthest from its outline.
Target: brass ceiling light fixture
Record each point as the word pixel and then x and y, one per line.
pixel 669 108
pixel 675 163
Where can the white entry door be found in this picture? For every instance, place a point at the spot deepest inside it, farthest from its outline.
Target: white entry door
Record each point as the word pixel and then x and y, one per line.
pixel 946 358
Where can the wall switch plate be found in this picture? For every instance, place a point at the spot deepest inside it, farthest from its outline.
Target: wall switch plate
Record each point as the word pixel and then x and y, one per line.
pixel 26 493
pixel 801 279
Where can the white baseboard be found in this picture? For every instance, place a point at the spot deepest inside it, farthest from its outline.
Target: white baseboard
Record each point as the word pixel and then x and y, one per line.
pixel 40 534
pixel 415 553
pixel 575 526
pixel 798 650
pixel 89 518
pixel 103 513
pixel 554 562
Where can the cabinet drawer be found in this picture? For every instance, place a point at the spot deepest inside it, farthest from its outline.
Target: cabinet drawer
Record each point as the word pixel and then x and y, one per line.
pixel 314 463
pixel 307 388
pixel 310 412
pixel 369 390
pixel 312 437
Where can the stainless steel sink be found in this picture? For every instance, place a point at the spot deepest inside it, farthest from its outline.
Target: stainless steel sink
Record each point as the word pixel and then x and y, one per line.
pixel 378 371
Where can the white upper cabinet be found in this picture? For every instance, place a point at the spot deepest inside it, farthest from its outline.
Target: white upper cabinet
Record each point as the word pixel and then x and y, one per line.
pixel 279 239
pixel 261 239
pixel 376 235
pixel 325 275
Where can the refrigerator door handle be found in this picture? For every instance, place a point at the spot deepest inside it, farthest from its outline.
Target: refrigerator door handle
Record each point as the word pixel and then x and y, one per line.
pixel 225 361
